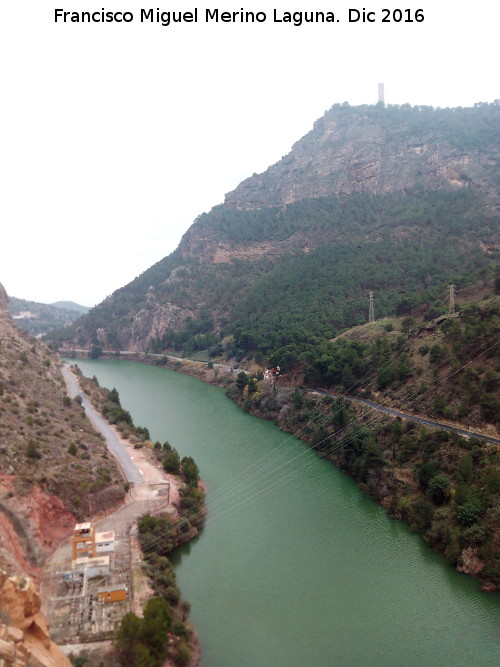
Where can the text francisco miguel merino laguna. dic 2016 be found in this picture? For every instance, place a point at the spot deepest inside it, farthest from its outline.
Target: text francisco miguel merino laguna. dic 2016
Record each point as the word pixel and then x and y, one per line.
pixel 296 18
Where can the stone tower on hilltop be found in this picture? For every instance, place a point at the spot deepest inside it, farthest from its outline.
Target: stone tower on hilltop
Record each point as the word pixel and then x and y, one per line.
pixel 381 93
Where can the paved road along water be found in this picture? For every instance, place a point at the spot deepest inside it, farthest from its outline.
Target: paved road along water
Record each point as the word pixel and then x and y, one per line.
pixel 295 568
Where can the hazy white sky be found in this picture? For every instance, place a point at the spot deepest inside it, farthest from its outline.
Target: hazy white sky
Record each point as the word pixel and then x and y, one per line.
pixel 114 137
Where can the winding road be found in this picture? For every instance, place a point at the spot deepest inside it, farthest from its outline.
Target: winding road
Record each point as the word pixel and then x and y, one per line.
pixel 365 401
pixel 413 418
pixel 130 470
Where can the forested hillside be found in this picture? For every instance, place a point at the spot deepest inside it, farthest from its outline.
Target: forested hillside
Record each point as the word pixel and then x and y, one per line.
pixel 445 486
pixel 39 318
pixel 400 201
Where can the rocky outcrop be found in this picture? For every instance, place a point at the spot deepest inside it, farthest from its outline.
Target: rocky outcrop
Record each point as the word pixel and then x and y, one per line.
pixel 370 150
pixel 4 304
pixel 469 562
pixel 24 634
pixel 152 321
pixel 215 251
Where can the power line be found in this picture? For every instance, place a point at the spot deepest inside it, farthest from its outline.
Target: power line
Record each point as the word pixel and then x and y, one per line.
pixel 255 469
pixel 253 494
pixel 259 468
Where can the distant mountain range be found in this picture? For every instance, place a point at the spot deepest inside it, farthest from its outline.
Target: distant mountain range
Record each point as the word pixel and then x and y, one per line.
pixel 71 305
pixel 40 318
pixel 395 200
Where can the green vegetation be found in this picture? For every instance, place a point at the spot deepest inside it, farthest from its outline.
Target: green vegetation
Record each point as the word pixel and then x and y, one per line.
pixel 291 277
pixel 162 632
pixel 110 407
pixel 301 299
pixel 43 317
pixel 445 486
pixel 32 451
pixel 172 463
pixel 141 642
pixel 192 497
pixel 403 247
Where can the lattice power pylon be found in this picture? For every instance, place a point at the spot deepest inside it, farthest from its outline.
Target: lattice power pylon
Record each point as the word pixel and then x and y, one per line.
pixel 371 311
pixel 451 299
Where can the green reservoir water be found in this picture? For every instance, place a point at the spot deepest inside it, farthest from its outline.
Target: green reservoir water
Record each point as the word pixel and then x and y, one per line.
pixel 295 568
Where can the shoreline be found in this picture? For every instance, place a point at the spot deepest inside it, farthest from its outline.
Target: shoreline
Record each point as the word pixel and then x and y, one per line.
pixel 468 561
pixel 146 495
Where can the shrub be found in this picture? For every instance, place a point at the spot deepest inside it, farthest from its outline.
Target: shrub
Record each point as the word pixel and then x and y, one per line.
pixel 490 406
pixel 190 471
pixel 439 489
pixel 423 513
pixel 426 473
pixel 32 451
pixel 183 654
pixel 438 354
pixel 468 514
pixel 465 469
pixel 171 463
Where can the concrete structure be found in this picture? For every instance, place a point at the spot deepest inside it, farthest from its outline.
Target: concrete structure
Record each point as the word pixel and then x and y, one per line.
pixel 381 94
pixel 104 542
pixel 86 543
pixel 272 374
pixel 94 567
pixel 83 541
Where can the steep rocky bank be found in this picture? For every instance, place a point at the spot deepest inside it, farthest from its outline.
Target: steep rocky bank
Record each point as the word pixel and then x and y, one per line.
pixel 54 468
pixel 54 471
pixel 24 633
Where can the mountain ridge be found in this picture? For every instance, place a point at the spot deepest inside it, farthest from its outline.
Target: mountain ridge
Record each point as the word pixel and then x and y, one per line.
pixel 356 149
pixel 423 214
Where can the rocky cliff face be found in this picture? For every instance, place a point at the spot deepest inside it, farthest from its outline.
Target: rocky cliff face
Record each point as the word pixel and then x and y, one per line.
pixel 24 635
pixel 4 305
pixel 373 150
pixel 152 321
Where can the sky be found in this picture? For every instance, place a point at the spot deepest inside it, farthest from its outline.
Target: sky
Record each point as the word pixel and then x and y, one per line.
pixel 116 136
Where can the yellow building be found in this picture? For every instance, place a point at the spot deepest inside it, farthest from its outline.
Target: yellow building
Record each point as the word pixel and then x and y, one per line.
pixel 86 543
pixel 116 593
pixel 83 541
